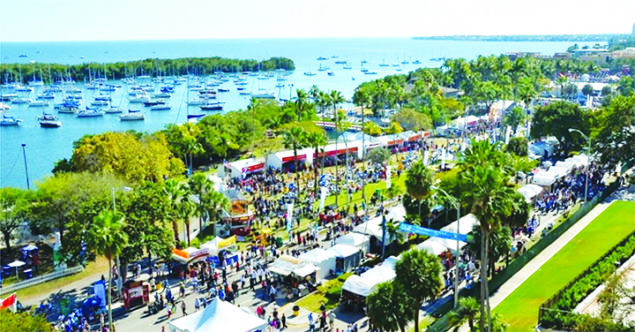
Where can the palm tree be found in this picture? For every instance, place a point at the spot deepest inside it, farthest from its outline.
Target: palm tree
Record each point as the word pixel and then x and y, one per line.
pixel 295 138
pixel 107 238
pixel 173 191
pixel 467 310
pixel 387 307
pixel 361 98
pixel 217 202
pixel 490 198
pixel 301 103
pixel 316 140
pixel 186 209
pixel 335 98
pixel 419 181
pixel 200 186
pixel 420 272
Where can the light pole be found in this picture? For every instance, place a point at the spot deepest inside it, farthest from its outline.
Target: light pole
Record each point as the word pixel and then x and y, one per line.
pixel 26 169
pixel 455 202
pixel 586 181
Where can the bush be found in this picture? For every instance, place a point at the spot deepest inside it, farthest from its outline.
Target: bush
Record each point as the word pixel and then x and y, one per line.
pixel 10 322
pixel 196 243
pixel 557 312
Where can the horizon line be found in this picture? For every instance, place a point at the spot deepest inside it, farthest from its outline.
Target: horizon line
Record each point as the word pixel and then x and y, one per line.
pixel 316 37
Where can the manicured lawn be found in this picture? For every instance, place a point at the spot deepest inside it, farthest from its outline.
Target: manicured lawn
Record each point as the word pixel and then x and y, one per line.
pixel 328 293
pixel 520 308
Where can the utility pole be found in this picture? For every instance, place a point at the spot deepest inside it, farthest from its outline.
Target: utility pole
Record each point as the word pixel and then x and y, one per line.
pixel 26 169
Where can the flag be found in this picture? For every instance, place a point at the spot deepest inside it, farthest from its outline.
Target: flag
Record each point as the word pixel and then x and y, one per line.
pixel 323 193
pixel 9 303
pixel 289 216
pixel 426 155
pixel 388 176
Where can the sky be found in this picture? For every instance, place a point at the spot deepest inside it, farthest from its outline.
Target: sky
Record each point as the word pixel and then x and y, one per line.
pixel 70 20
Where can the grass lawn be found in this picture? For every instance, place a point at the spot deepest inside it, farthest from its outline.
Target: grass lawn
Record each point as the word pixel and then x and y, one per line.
pixel 520 308
pixel 328 293
pixel 93 272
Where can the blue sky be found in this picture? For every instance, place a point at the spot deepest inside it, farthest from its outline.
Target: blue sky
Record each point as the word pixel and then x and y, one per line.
pixel 64 20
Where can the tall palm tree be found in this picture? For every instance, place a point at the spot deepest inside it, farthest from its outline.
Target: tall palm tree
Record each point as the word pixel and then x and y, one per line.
pixel 201 186
pixel 217 202
pixel 186 209
pixel 336 98
pixel 301 103
pixel 316 140
pixel 107 238
pixel 361 98
pixel 295 138
pixel 172 190
pixel 490 198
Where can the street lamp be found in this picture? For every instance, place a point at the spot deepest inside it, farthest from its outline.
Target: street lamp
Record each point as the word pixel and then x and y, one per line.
pixel 455 202
pixel 586 181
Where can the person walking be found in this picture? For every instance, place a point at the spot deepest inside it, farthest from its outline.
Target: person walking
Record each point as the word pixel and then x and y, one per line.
pixel 183 308
pixel 283 319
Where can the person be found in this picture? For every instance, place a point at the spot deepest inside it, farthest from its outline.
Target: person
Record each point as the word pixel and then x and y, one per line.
pixel 331 318
pixel 284 321
pixel 197 304
pixel 311 324
pixel 183 308
pixel 168 308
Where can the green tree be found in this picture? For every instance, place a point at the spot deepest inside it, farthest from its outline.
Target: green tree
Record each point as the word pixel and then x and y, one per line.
pixel 316 140
pixel 199 185
pixel 371 128
pixel 500 242
pixel 301 103
pixel 183 141
pixel 419 272
pixel 419 182
pixel 379 156
pixel 486 191
pixel 514 118
pixel 556 118
pixel 107 238
pixel 410 119
pixel 587 90
pixel 570 91
pixel 388 308
pixel 606 91
pixel 467 311
pixel 295 138
pixel 615 136
pixel 518 146
pixel 25 321
pixel 14 210
pixel 67 203
pixel 335 99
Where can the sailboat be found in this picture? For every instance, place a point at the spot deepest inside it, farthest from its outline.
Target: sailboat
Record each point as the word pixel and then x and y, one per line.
pixel 195 115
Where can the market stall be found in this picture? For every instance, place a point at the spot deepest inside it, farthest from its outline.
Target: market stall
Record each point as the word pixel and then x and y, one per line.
pixel 220 250
pixel 323 260
pixel 347 257
pixel 356 288
pixel 218 316
pixel 360 241
pixel 300 276
pixel 530 191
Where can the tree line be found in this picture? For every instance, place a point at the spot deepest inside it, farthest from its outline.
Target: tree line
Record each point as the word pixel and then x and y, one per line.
pixel 53 72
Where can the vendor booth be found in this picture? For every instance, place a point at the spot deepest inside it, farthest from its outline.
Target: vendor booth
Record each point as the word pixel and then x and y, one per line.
pixel 357 240
pixel 238 215
pixel 347 257
pixel 220 250
pixel 530 192
pixel 300 276
pixel 286 159
pixel 432 247
pixel 373 228
pixel 135 294
pixel 241 168
pixel 189 255
pixel 218 316
pixel 356 288
pixel 323 260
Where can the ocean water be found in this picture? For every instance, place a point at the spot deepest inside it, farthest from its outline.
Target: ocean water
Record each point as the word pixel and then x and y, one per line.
pixel 383 56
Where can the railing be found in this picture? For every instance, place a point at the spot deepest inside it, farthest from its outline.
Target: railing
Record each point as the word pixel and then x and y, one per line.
pixel 547 305
pixel 40 279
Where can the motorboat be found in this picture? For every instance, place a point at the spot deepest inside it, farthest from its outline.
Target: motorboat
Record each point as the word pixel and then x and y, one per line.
pixel 98 103
pixel 9 121
pixel 21 101
pixel 113 110
pixel 160 107
pixel 139 99
pixel 4 107
pixel 154 102
pixel 416 62
pixel 39 103
pixel 132 115
pixel 90 113
pixel 49 121
pixel 196 102
pixel 223 90
pixel 331 73
pixel 212 106
pixel 308 73
pixel 322 58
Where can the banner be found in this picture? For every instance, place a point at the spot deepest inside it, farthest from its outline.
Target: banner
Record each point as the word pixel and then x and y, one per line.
pixel 323 193
pixel 9 303
pixel 408 228
pixel 508 132
pixel 443 158
pixel 289 216
pixel 426 155
pixel 388 169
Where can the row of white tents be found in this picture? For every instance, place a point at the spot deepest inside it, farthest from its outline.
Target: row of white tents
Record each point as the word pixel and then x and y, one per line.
pixel 349 143
pixel 547 177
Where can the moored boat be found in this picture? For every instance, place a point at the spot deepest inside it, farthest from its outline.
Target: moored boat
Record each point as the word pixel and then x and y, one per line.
pixel 9 121
pixel 132 115
pixel 49 121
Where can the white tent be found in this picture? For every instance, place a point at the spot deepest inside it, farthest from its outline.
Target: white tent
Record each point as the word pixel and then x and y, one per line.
pixel 324 261
pixel 466 223
pixel 366 283
pixel 286 265
pixel 357 240
pixel 244 166
pixel 276 160
pixel 537 149
pixel 544 179
pixel 218 243
pixel 218 316
pixel 347 256
pixel 432 247
pixel 530 191
pixel 373 226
